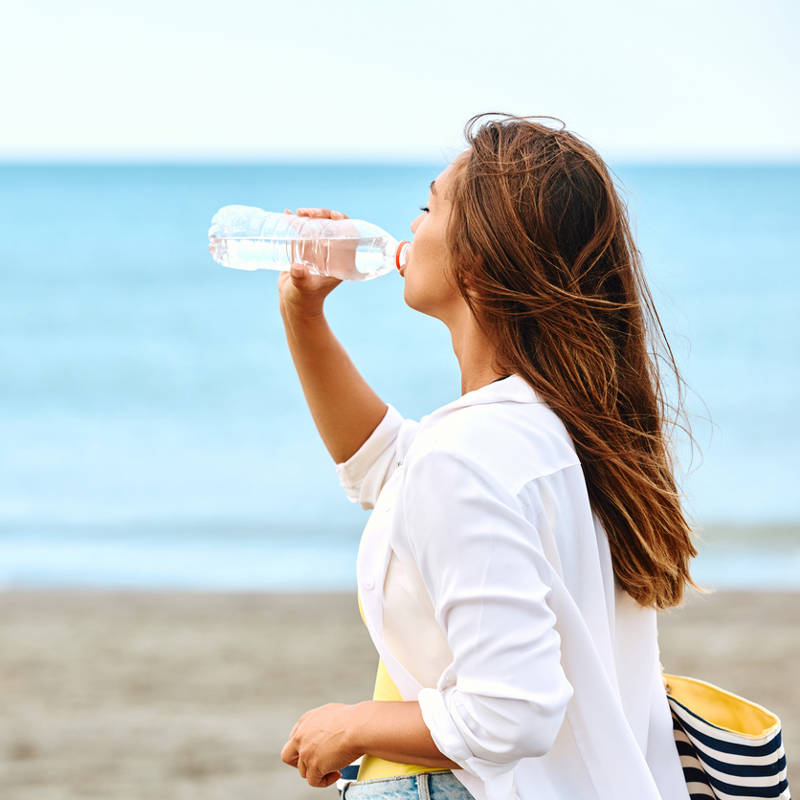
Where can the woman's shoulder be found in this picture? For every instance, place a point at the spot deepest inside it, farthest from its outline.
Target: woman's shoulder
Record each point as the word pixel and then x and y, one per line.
pixel 514 442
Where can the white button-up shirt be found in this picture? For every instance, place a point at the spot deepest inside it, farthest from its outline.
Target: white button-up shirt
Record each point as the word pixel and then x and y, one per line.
pixel 488 591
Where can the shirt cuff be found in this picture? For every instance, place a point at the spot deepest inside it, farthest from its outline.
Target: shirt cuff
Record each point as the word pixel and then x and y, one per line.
pixel 351 473
pixel 497 778
pixel 445 734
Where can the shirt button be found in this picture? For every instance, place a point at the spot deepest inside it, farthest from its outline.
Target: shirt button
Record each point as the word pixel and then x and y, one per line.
pixel 369 584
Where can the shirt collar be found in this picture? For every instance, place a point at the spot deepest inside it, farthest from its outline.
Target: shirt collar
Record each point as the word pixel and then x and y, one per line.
pixel 514 389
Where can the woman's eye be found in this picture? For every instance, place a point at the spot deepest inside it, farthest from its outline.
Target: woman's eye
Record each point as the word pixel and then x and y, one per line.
pixel 424 208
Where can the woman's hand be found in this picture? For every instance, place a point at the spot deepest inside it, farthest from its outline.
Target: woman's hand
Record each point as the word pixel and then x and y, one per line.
pixel 300 291
pixel 321 743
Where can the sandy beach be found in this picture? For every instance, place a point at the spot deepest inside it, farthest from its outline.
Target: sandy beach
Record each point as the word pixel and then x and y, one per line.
pixel 118 694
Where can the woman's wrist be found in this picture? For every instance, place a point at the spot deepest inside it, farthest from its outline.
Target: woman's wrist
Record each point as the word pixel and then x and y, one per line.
pixel 394 731
pixel 291 312
pixel 359 724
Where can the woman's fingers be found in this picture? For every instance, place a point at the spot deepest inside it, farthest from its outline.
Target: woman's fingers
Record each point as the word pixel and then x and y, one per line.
pixel 331 778
pixel 324 213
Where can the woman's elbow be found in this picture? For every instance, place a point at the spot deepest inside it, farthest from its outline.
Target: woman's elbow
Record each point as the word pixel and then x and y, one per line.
pixel 539 735
pixel 518 728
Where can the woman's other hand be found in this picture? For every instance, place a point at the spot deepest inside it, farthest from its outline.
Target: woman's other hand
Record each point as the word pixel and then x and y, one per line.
pixel 320 743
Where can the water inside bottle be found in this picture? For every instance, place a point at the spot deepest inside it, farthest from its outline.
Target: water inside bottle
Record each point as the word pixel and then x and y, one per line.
pixel 355 259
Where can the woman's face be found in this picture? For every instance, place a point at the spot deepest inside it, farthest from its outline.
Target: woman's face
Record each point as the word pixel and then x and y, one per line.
pixel 426 287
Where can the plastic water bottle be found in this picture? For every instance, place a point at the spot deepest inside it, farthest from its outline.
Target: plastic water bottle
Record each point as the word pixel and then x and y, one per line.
pixel 246 237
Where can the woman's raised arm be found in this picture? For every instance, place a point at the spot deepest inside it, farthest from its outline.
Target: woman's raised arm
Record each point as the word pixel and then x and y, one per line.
pixel 344 407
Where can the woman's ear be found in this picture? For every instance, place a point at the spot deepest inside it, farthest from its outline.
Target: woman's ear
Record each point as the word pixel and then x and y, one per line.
pixel 477 266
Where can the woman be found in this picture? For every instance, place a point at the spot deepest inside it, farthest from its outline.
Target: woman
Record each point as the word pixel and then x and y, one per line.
pixel 523 536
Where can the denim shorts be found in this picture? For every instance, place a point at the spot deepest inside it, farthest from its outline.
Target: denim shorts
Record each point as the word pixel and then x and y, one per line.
pixel 418 786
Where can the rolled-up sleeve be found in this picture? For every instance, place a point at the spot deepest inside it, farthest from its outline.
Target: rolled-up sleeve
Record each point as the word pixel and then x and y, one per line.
pixel 504 696
pixel 363 475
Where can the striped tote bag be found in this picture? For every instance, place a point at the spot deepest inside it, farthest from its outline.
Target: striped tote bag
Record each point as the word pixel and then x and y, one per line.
pixel 730 748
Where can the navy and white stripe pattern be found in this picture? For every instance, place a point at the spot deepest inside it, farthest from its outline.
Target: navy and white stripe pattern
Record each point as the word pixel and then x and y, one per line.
pixel 349 774
pixel 719 764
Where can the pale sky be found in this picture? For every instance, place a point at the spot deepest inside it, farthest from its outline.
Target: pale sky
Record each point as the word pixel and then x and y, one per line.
pixel 241 79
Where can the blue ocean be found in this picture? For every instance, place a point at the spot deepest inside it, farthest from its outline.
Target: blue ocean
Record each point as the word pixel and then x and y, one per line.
pixel 153 432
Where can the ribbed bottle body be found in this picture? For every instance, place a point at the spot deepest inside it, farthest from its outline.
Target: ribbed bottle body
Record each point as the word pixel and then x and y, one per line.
pixel 246 237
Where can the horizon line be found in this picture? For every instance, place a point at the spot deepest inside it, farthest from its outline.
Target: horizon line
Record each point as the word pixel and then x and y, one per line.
pixel 255 159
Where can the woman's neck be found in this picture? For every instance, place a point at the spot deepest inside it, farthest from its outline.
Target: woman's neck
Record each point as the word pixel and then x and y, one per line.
pixel 475 354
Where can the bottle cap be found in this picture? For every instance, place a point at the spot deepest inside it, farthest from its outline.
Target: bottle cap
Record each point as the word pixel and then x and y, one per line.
pixel 401 254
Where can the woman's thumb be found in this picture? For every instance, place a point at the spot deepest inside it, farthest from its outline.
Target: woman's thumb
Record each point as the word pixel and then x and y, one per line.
pixel 298 271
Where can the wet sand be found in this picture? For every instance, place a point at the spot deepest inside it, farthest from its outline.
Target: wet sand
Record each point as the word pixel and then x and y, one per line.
pixel 120 695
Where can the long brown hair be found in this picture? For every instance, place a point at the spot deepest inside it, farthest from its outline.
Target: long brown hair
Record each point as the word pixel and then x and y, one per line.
pixel 543 254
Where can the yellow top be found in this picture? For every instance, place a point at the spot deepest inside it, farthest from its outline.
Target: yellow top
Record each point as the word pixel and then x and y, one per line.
pixel 372 766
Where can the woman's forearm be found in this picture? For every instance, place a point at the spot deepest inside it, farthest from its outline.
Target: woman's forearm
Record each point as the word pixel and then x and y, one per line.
pixel 395 731
pixel 343 405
